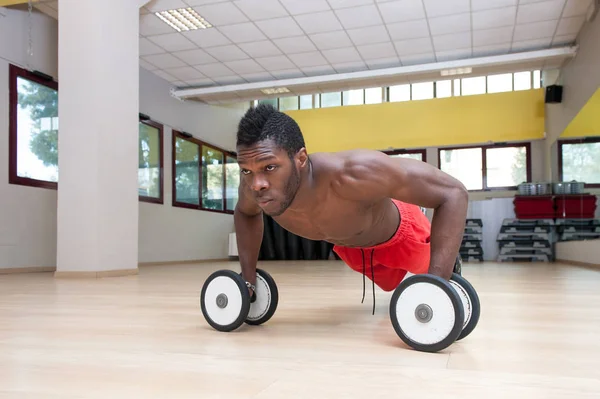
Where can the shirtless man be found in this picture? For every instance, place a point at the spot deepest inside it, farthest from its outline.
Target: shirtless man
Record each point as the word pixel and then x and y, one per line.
pixel 363 201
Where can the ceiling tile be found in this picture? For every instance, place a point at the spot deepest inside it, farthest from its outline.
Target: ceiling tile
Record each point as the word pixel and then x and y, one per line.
pixel 318 70
pixel 319 22
pixel 342 55
pixel 257 77
pixel 288 74
pixel 452 42
pixel 576 7
pixel 487 37
pixel 244 66
pixel 417 59
pixel 371 35
pixel 437 8
pixel 260 49
pixel 162 5
pixel 451 55
pixel 148 48
pixel 229 80
pixel 150 24
pixel 202 2
pixel 221 14
pixel 207 37
pixel 280 27
pixel 383 63
pixel 337 4
pixel 261 9
pixel 146 65
pixel 450 24
pixel 529 45
pixel 347 67
pixel 376 51
pixel 494 49
pixel 413 46
pixel 165 76
pixel 409 30
pixel 494 18
pixel 564 39
pixel 296 7
pixel 359 17
pixel 329 40
pixel 291 45
pixel 200 82
pixel 184 73
pixel 227 53
pixel 568 26
pixel 215 70
pixel 194 57
pixel 535 30
pixel 173 42
pixel 477 5
pixel 543 11
pixel 276 63
pixel 164 61
pixel 242 33
pixel 303 60
pixel 403 10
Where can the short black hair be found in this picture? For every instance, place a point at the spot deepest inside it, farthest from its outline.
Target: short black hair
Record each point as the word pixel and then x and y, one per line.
pixel 265 122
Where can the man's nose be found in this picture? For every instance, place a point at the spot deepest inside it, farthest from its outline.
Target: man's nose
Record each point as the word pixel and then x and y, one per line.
pixel 259 183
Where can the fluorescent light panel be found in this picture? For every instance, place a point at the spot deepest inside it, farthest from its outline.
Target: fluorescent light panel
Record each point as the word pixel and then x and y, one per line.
pixel 456 71
pixel 183 19
pixel 276 90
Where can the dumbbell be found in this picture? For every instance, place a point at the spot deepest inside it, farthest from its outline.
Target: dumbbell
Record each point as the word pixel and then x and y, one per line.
pixel 430 313
pixel 226 303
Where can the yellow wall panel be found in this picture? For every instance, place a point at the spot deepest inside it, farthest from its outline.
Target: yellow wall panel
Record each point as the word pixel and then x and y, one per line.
pixel 587 121
pixel 437 122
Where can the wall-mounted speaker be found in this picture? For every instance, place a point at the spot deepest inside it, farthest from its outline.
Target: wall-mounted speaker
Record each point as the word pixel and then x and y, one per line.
pixel 554 94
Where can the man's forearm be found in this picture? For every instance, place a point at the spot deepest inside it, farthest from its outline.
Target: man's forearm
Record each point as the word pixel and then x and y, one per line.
pixel 447 229
pixel 249 234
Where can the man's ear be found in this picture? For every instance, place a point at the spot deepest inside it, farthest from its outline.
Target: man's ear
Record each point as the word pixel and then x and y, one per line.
pixel 302 157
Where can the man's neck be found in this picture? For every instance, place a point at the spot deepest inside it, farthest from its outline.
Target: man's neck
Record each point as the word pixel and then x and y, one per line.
pixel 305 196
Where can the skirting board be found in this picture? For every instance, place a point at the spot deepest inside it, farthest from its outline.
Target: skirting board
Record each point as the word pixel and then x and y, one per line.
pixel 576 263
pixel 33 269
pixel 105 273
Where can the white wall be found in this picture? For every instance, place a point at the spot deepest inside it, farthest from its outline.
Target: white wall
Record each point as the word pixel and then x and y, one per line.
pixel 28 215
pixel 579 251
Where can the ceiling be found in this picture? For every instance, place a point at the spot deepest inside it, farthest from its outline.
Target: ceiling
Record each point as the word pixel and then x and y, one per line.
pixel 255 41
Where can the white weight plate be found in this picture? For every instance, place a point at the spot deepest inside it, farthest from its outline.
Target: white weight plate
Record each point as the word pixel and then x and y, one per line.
pixel 261 305
pixel 442 321
pixel 229 314
pixel 465 299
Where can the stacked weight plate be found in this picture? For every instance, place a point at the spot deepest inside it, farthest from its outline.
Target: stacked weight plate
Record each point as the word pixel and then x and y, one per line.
pixel 526 240
pixel 577 229
pixel 471 249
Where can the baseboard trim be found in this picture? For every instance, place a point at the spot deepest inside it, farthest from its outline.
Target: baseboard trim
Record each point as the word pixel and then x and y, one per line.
pixel 100 274
pixel 33 269
pixel 577 263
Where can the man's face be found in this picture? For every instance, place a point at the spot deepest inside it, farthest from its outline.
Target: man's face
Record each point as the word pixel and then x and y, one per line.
pixel 271 175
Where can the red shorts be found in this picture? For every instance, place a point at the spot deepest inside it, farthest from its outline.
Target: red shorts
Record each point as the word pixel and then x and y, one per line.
pixel 407 251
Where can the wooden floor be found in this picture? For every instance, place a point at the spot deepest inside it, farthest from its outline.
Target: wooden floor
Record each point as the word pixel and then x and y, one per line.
pixel 144 336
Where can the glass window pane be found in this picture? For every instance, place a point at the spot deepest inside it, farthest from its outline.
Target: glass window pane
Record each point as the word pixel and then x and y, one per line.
pixel 212 178
pixel 506 167
pixel 473 86
pixel 500 83
pixel 422 91
pixel 306 101
pixel 537 79
pixel 288 103
pixel 232 182
pixel 457 87
pixel 186 171
pixel 353 97
pixel 331 99
pixel 37 131
pixel 523 80
pixel 373 95
pixel 464 164
pixel 272 101
pixel 417 156
pixel 149 161
pixel 580 162
pixel 399 93
pixel 317 98
pixel 443 88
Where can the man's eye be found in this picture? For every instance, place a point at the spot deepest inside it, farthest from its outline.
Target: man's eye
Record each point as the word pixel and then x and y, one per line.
pixel 245 171
pixel 271 168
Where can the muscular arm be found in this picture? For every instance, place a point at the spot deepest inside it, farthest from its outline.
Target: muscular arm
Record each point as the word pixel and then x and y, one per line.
pixel 373 175
pixel 248 221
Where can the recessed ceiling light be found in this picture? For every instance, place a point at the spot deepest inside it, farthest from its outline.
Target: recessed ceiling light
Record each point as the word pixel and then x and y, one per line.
pixel 456 71
pixel 276 90
pixel 183 19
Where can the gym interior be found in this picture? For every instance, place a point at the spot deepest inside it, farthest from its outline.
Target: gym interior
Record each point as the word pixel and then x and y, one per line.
pixel 115 220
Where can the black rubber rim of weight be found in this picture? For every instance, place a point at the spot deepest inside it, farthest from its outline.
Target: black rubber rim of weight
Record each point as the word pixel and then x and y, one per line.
pixel 274 299
pixel 245 301
pixel 475 305
pixel 459 314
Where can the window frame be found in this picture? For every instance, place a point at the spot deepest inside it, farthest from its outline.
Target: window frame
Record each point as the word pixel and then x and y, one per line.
pixel 15 72
pixel 423 153
pixel 185 136
pixel 484 149
pixel 160 127
pixel 582 140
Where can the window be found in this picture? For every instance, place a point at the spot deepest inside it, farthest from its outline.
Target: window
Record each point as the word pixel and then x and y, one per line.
pixel 422 91
pixel 331 99
pixel 578 160
pixel 472 86
pixel 522 81
pixel 205 177
pixel 373 95
pixel 353 97
pixel 443 88
pixel 306 101
pixel 288 103
pixel 419 155
pixel 33 129
pixel 500 83
pixel 399 93
pixel 150 168
pixel 489 167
